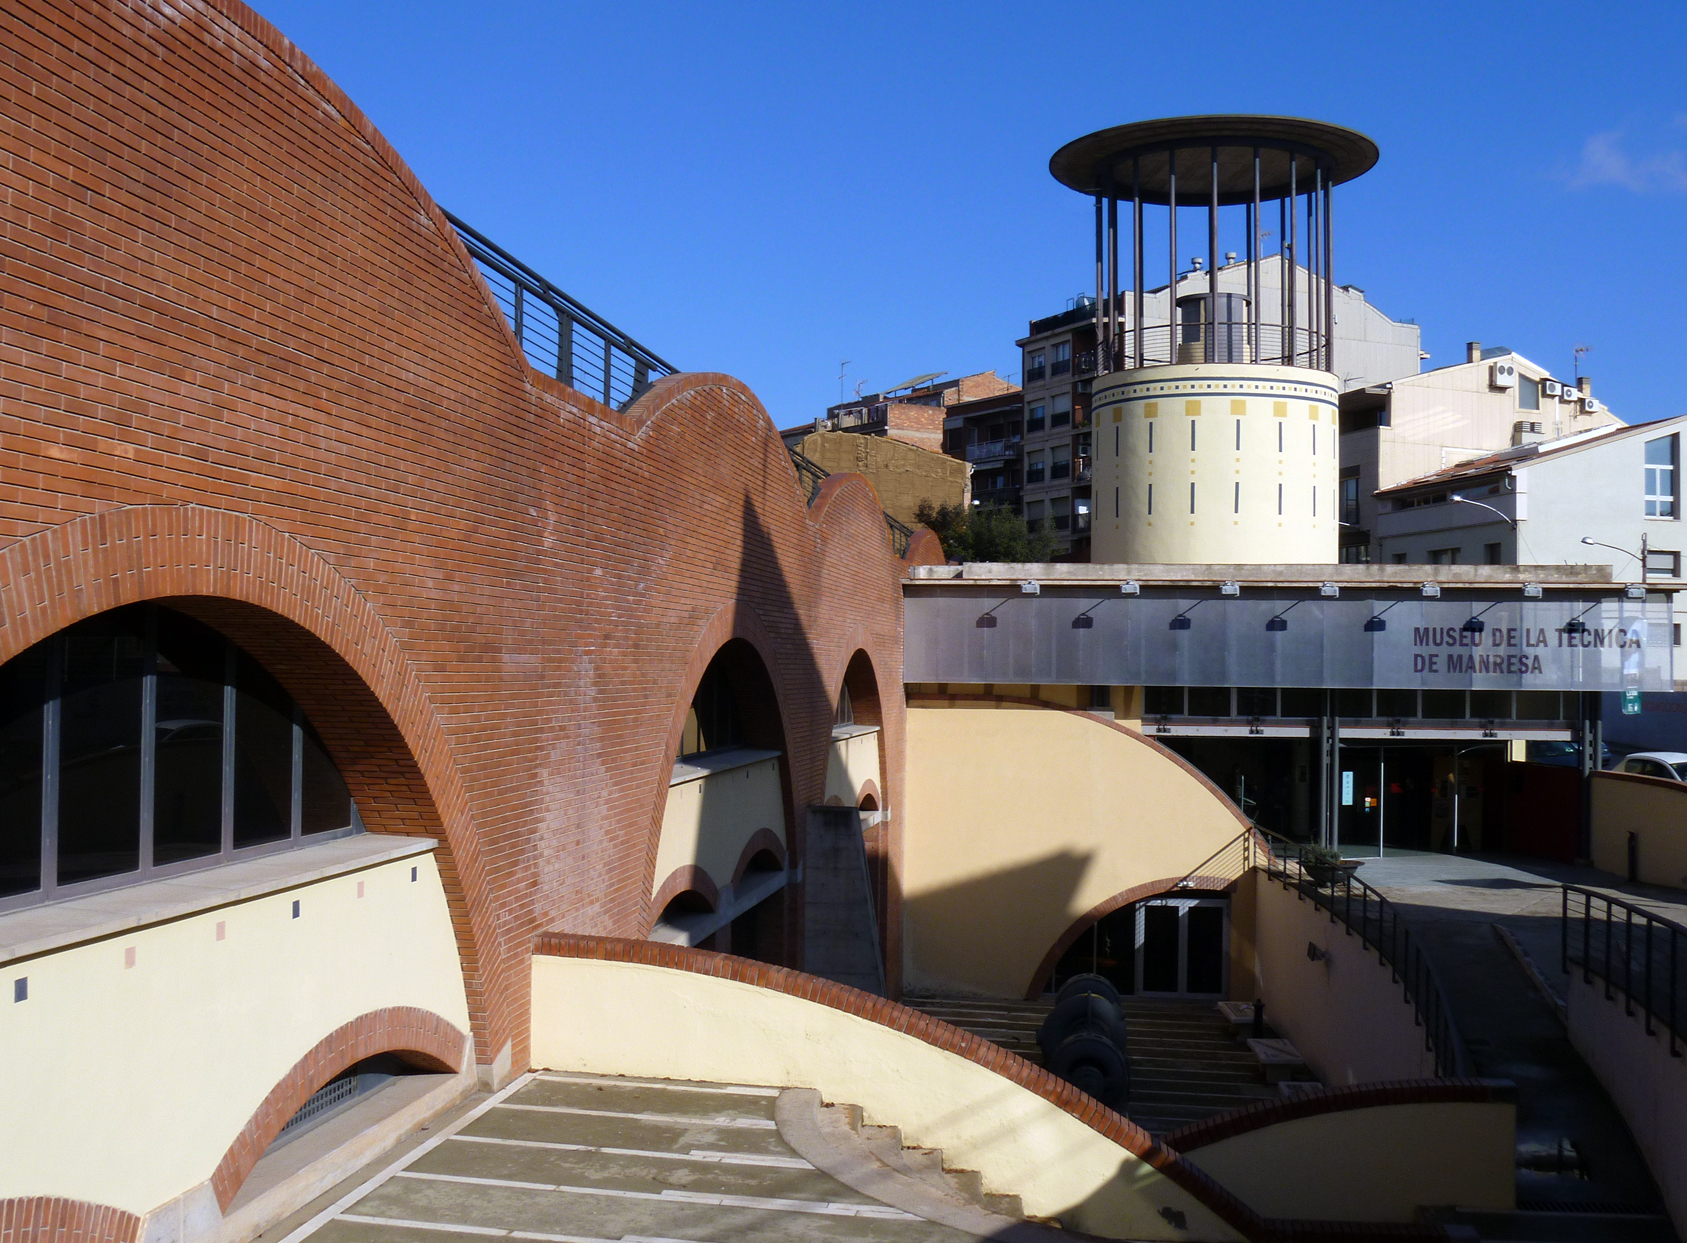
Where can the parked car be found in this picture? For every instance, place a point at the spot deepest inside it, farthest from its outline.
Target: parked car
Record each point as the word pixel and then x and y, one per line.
pixel 1670 765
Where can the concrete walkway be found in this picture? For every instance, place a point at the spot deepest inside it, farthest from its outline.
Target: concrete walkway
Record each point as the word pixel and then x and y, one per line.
pixel 580 1159
pixel 1511 1031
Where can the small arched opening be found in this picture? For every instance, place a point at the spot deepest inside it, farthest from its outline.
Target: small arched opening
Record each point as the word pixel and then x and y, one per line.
pixel 724 824
pixel 855 776
pixel 1171 944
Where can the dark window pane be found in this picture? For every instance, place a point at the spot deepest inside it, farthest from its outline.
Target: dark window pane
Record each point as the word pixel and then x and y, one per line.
pixel 187 808
pixel 1205 968
pixel 1162 700
pixel 99 817
pixel 327 802
pixel 1256 701
pixel 1352 702
pixel 1302 701
pixel 1209 701
pixel 263 756
pixel 1490 705
pixel 1396 703
pixel 1537 706
pixel 1159 949
pixel 23 685
pixel 1444 705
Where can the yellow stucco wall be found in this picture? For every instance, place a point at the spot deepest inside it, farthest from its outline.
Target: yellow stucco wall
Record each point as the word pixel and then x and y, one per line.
pixel 125 1085
pixel 611 1018
pixel 1345 1013
pixel 902 474
pixel 1378 1164
pixel 1021 819
pixel 710 818
pixel 851 763
pixel 1655 810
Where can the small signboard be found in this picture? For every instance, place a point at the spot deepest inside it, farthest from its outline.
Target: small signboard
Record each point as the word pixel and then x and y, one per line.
pixel 1347 789
pixel 1631 701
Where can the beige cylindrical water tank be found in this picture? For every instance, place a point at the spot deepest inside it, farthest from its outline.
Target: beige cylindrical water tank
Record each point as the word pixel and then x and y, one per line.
pixel 1224 463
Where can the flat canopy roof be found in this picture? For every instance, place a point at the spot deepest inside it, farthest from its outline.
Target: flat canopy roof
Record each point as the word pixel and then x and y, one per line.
pixel 1375 577
pixel 1085 164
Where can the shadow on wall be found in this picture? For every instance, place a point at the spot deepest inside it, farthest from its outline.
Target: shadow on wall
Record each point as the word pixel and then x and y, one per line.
pixel 1017 931
pixel 783 703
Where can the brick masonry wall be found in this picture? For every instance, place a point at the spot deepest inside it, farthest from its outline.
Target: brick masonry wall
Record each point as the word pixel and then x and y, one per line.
pixel 246 366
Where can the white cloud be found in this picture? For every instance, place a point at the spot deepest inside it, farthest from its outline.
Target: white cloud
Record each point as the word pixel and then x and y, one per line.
pixel 1605 163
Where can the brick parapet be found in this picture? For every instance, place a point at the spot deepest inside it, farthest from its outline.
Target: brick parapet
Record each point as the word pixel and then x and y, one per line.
pixel 53 1219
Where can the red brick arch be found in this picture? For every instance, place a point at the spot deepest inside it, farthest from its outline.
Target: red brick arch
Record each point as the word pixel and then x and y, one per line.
pixel 53 1219
pixel 419 1036
pixel 321 639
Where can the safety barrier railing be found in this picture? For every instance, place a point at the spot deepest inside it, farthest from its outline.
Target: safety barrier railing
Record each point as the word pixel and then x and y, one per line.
pixel 810 475
pixel 1377 923
pixel 1166 344
pixel 559 335
pixel 1634 952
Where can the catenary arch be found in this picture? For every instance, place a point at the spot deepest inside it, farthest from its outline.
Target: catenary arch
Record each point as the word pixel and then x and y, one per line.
pixel 297 616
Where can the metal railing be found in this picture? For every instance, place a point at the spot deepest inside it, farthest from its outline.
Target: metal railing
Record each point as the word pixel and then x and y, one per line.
pixel 1377 923
pixel 1635 953
pixel 986 449
pixel 559 335
pixel 810 475
pixel 1166 344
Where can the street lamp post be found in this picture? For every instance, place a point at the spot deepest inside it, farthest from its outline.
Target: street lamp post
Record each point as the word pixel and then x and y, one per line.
pixel 1588 539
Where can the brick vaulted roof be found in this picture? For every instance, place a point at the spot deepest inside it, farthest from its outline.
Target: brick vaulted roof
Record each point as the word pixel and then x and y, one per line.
pixel 245 364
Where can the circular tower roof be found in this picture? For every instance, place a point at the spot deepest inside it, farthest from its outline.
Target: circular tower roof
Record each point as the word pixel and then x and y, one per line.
pixel 1087 164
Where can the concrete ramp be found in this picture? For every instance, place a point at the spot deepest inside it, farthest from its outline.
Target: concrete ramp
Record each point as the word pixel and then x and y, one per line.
pixel 840 927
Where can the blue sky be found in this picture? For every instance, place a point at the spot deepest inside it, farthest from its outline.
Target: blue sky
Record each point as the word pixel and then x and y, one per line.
pixel 768 190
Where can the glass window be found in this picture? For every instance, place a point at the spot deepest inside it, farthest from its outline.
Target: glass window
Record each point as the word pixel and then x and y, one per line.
pixel 1490 705
pixel 263 756
pixel 1528 393
pixel 1353 702
pixel 1034 419
pixel 1396 704
pixel 1062 359
pixel 23 696
pixel 1662 455
pixel 1256 701
pixel 1349 515
pixel 103 662
pixel 1444 705
pixel 1209 701
pixel 1443 556
pixel 1538 706
pixel 1034 369
pixel 1162 701
pixel 1060 415
pixel 118 733
pixel 187 799
pixel 1302 701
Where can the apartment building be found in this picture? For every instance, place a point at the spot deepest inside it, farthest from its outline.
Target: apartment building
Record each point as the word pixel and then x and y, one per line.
pixel 988 434
pixel 913 412
pixel 1610 494
pixel 1413 426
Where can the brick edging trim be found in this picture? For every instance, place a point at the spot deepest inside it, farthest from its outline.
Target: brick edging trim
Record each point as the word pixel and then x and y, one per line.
pixel 760 840
pixel 1136 893
pixel 53 1219
pixel 428 1041
pixel 923 1027
pixel 1339 1100
pixel 686 877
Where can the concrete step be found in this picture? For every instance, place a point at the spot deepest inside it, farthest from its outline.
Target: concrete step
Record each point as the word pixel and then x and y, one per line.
pixel 927 1165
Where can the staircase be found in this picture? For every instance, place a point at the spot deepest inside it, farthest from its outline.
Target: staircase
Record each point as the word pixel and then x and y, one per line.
pixel 1185 1063
pixel 924 1164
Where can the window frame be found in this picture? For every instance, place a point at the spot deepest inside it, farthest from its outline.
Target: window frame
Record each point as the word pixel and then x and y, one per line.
pixel 1659 502
pixel 51 890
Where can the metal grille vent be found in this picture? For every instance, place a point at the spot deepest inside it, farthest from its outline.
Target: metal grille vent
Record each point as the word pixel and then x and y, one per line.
pixel 333 1093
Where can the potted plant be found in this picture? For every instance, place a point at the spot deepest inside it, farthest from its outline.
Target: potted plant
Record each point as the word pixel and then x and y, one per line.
pixel 1325 865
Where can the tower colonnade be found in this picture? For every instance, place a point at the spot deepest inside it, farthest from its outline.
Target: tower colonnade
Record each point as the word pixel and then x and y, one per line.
pixel 1217 422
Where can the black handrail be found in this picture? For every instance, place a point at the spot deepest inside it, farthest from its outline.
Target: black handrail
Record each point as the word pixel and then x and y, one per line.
pixel 810 475
pixel 1598 934
pixel 1362 910
pixel 559 334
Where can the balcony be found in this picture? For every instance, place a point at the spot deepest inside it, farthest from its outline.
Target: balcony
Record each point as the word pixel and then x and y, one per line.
pixel 990 450
pixel 1060 470
pixel 1080 524
pixel 1085 471
pixel 1034 374
pixel 1034 473
pixel 1060 366
pixel 1061 522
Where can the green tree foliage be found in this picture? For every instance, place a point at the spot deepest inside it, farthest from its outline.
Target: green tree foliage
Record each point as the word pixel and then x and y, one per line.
pixel 986 533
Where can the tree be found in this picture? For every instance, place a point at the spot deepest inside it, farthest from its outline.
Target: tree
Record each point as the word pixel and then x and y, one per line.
pixel 986 533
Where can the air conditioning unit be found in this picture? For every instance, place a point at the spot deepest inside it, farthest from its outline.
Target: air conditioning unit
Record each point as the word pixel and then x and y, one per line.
pixel 1570 393
pixel 1502 375
pixel 1552 388
pixel 1591 405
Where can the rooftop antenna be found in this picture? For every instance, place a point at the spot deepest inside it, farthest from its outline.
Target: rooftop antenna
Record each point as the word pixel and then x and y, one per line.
pixel 1580 350
pixel 843 367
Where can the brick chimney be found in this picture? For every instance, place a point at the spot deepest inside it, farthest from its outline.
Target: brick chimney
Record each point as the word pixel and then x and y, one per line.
pixel 1472 351
pixel 1584 385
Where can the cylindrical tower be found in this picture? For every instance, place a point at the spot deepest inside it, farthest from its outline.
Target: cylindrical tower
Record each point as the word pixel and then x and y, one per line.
pixel 1215 399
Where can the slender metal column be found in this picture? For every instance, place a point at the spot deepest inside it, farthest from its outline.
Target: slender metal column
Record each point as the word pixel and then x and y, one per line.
pixel 1282 281
pixel 1255 311
pixel 1329 283
pixel 1211 345
pixel 1099 254
pixel 1171 286
pixel 1136 253
pixel 1115 328
pixel 1314 270
pixel 1293 274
